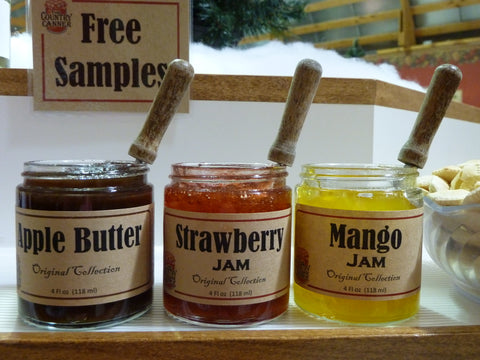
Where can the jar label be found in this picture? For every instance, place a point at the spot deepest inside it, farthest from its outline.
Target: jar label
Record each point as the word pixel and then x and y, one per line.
pixel 367 255
pixel 227 259
pixel 75 258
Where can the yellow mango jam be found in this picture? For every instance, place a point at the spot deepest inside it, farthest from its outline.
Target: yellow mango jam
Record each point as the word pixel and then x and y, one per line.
pixel 358 235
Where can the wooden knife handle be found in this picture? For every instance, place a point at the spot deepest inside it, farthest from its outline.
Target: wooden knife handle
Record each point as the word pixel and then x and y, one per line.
pixel 439 94
pixel 174 85
pixel 302 90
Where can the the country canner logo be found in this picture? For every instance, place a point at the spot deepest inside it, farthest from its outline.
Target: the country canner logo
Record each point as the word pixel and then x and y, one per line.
pixel 55 17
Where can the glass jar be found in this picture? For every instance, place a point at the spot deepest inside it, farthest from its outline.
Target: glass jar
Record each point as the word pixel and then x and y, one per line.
pixel 227 243
pixel 358 242
pixel 84 234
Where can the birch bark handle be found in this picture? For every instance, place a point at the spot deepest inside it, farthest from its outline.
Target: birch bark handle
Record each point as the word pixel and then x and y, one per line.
pixel 302 90
pixel 174 85
pixel 439 94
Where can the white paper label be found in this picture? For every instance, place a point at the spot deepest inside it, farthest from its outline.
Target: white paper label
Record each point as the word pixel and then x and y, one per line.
pixel 370 255
pixel 73 258
pixel 227 259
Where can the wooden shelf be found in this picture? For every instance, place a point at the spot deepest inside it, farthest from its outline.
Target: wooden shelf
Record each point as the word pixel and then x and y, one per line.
pixel 359 343
pixel 14 82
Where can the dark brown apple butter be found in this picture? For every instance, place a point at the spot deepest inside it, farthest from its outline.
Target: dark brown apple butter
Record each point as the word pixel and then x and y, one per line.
pixel 84 236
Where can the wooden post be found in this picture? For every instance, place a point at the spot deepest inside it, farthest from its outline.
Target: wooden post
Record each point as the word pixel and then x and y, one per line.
pixel 406 34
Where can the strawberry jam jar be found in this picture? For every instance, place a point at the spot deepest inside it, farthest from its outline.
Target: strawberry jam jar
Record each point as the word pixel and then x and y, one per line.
pixel 227 243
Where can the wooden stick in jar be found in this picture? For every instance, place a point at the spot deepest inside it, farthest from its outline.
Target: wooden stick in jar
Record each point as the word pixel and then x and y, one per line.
pixel 302 90
pixel 175 83
pixel 439 94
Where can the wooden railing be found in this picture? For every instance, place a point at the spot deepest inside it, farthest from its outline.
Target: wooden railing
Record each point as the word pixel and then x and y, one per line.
pixel 405 37
pixel 17 19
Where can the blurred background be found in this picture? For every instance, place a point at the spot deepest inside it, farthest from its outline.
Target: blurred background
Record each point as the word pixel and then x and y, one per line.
pixel 415 36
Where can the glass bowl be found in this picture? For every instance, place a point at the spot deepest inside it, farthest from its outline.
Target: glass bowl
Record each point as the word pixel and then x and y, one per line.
pixel 452 239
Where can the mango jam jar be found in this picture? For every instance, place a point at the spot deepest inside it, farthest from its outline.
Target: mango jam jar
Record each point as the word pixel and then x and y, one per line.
pixel 84 239
pixel 227 243
pixel 358 242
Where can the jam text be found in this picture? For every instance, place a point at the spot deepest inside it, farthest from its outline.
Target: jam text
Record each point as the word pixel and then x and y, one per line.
pixel 381 241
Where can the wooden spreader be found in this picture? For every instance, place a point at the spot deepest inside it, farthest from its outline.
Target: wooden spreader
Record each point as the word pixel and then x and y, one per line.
pixel 439 94
pixel 172 90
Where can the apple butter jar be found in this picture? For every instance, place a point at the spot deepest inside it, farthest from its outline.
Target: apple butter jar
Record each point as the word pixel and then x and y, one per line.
pixel 84 240
pixel 227 243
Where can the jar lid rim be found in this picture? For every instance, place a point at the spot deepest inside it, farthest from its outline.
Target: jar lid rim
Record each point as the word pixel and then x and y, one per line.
pixel 359 167
pixel 229 165
pixel 227 171
pixel 84 168
pixel 353 172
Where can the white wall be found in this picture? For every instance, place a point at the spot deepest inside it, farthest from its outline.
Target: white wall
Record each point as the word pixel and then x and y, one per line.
pixel 455 142
pixel 213 131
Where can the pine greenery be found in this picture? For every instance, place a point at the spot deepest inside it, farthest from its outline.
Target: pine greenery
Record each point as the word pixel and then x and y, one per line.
pixel 223 23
